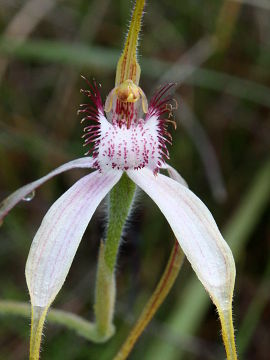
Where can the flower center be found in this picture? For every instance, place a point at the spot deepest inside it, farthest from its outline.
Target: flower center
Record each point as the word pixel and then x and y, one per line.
pixel 125 103
pixel 126 139
pixel 128 92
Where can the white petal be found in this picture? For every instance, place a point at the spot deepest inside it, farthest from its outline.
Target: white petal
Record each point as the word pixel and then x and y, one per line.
pixel 13 199
pixel 60 233
pixel 196 232
pixel 174 174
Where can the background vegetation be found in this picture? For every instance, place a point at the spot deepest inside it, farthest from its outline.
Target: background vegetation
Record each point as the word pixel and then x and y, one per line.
pixel 219 53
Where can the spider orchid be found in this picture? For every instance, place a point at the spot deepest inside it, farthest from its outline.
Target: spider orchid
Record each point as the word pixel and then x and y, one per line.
pixel 127 137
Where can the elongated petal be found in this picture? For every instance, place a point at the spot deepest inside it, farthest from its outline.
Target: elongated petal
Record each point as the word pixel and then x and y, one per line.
pixel 7 204
pixel 196 232
pixel 174 174
pixel 60 233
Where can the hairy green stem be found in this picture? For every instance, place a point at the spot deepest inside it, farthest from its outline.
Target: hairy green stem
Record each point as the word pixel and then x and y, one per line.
pixel 104 296
pixel 82 327
pixel 121 198
pixel 225 316
pixel 37 322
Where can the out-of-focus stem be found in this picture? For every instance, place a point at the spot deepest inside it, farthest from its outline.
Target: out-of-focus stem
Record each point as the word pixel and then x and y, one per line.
pixel 226 23
pixel 24 22
pixel 166 282
pixel 70 321
pixel 254 312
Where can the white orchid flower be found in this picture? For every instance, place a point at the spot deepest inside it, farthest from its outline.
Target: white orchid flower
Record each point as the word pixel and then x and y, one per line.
pixel 124 141
pixel 126 135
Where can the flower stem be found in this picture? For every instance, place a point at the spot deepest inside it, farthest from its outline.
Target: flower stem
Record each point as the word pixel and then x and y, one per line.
pixel 228 332
pixel 105 297
pixel 37 322
pixel 121 198
pixel 73 322
pixel 166 282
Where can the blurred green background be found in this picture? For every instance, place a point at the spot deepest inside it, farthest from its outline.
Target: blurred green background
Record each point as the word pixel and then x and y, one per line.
pixel 219 54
